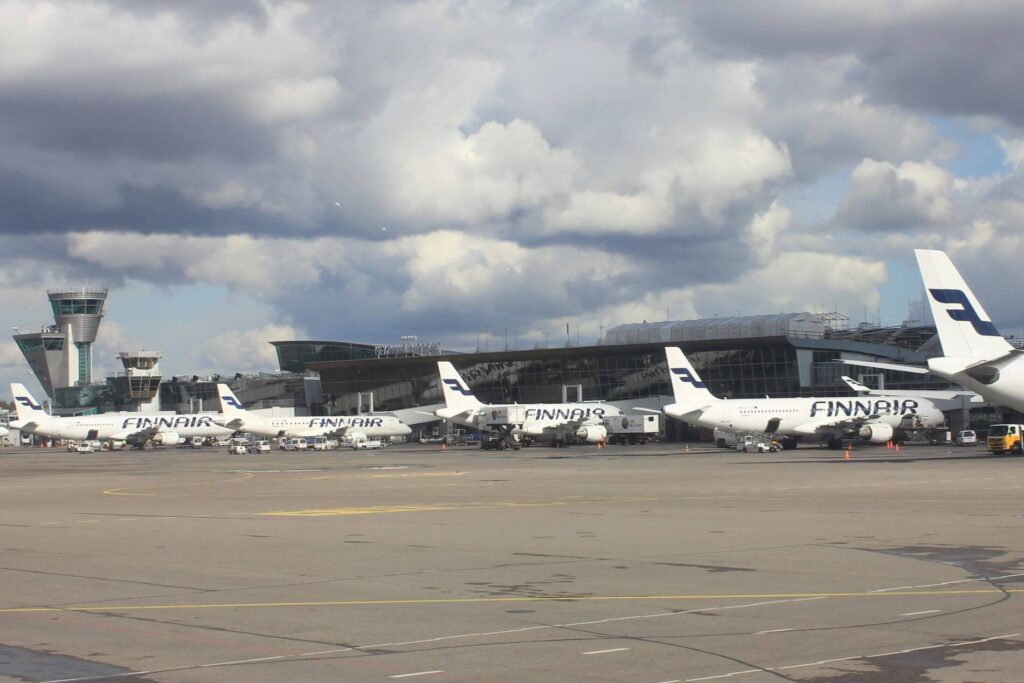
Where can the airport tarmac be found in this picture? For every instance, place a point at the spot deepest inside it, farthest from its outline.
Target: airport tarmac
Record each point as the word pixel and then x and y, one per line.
pixel 643 564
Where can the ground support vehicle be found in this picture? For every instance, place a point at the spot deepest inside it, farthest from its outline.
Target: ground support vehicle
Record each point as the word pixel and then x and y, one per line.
pixel 632 429
pixel 1005 438
pixel 754 443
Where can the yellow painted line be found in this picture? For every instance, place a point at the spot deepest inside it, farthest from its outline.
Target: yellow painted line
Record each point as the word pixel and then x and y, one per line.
pixel 464 601
pixel 435 507
pixel 124 491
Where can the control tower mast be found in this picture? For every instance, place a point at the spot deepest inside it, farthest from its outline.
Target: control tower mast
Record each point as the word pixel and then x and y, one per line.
pixel 78 312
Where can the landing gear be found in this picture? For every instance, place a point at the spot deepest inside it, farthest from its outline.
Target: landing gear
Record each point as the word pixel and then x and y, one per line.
pixel 835 444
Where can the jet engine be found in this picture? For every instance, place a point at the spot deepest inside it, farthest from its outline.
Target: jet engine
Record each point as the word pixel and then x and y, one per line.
pixel 167 438
pixel 592 433
pixel 876 432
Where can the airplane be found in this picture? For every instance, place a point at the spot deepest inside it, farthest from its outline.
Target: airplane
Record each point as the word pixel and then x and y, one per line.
pixel 513 421
pixel 875 420
pixel 234 415
pixel 141 431
pixel 975 355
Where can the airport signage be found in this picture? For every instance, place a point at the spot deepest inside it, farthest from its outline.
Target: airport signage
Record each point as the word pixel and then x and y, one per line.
pixel 408 348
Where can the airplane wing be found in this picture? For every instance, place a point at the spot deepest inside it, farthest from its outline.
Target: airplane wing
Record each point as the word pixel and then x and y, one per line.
pixel 454 413
pixel 916 369
pixel 233 424
pixel 136 434
pixel 997 363
pixel 315 431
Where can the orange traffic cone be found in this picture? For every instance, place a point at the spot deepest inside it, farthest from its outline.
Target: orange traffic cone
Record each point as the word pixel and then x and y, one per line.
pixel 888 444
pixel 897 448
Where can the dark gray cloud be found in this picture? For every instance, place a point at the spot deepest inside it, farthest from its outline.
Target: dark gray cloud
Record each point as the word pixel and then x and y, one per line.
pixel 944 57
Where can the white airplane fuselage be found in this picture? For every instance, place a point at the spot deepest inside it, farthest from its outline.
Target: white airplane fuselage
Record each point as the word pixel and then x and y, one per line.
pixel 797 416
pixel 537 418
pixel 372 426
pixel 118 425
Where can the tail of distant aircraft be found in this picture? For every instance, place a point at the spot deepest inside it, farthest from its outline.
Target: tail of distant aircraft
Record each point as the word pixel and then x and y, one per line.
pixel 855 385
pixel 457 396
pixel 965 329
pixel 233 412
pixel 689 392
pixel 229 405
pixel 27 408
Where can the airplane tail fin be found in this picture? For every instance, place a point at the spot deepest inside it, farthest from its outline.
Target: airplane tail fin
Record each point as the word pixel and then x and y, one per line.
pixel 26 406
pixel 456 394
pixel 688 390
pixel 229 405
pixel 855 385
pixel 965 329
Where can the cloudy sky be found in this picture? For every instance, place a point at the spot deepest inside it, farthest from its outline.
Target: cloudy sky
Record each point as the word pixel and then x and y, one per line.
pixel 243 171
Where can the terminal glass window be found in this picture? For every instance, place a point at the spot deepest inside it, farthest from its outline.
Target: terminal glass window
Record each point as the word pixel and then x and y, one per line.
pixel 30 345
pixel 77 307
pixel 84 363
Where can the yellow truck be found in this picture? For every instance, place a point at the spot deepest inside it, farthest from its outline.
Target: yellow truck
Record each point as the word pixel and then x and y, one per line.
pixel 1005 438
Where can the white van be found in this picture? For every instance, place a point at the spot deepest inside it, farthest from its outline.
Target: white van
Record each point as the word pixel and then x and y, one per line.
pixel 967 438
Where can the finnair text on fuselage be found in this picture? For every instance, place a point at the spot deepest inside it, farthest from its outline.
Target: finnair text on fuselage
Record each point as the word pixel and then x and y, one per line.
pixel 338 422
pixel 170 422
pixel 563 414
pixel 857 408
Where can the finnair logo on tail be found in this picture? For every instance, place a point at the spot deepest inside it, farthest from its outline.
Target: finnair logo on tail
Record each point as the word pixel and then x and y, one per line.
pixel 456 385
pixel 232 401
pixel 27 402
pixel 966 312
pixel 685 375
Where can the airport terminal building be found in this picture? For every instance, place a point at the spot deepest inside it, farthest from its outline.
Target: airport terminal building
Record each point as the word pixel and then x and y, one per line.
pixel 784 355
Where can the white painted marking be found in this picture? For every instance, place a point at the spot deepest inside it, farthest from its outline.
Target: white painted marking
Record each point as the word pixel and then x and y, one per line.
pixel 728 675
pixel 89 521
pixel 674 680
pixel 886 590
pixel 774 630
pixel 418 673
pixel 914 614
pixel 243 661
pixel 604 652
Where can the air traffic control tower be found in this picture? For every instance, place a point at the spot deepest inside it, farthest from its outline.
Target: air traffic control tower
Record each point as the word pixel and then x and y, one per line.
pixel 61 355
